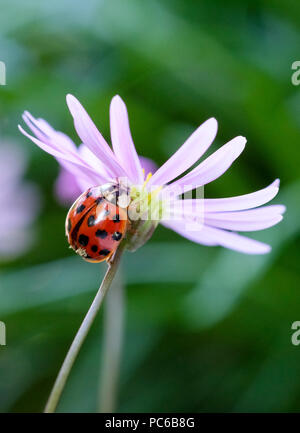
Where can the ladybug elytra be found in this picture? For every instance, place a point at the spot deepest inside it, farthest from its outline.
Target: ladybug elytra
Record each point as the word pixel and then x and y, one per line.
pixel 96 223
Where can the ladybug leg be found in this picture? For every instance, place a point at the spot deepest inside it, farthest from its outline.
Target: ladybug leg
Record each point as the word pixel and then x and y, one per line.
pixel 110 260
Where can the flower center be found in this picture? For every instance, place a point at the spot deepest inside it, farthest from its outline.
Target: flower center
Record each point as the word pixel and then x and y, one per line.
pixel 144 213
pixel 144 202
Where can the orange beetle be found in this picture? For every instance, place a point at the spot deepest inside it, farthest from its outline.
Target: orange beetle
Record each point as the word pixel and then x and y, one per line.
pixel 95 224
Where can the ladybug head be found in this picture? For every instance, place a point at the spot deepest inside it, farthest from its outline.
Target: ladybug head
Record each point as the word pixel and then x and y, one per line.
pixel 117 193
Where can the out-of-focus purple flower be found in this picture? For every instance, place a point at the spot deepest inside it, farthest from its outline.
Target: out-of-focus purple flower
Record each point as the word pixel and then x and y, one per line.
pixel 95 163
pixel 20 203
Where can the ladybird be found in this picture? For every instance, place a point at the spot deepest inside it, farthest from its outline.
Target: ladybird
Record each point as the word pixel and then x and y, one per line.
pixel 96 224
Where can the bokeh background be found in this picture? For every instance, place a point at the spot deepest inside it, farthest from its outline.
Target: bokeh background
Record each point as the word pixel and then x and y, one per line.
pixel 206 329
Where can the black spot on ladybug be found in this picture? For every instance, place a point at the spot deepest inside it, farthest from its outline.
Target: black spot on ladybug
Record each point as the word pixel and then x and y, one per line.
pixel 91 220
pixel 116 218
pixel 80 208
pixel 104 252
pixel 94 248
pixel 98 200
pixel 88 194
pixel 117 236
pixel 83 240
pixel 101 234
pixel 69 225
pixel 75 231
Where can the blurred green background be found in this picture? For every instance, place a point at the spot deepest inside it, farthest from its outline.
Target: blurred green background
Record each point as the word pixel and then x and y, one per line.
pixel 206 329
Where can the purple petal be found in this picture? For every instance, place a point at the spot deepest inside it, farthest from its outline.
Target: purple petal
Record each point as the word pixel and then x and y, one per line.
pixel 210 169
pixel 237 242
pixel 71 181
pixel 200 237
pixel 48 146
pixel 44 132
pixel 81 176
pixel 248 220
pixel 64 149
pixel 237 203
pixel 75 160
pixel 215 236
pixel 90 159
pixel 193 208
pixel 79 165
pixel 148 165
pixel 246 201
pixel 92 138
pixel 187 154
pixel 259 214
pixel 122 142
pixel 243 226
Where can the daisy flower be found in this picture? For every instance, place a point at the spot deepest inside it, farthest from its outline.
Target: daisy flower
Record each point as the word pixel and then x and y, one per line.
pixel 94 162
pixel 21 203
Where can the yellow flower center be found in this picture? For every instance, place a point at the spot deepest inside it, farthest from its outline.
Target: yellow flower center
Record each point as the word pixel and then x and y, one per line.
pixel 144 203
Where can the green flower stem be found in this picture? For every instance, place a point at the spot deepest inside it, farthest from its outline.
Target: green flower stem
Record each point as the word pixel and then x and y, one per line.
pixel 112 346
pixel 82 332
